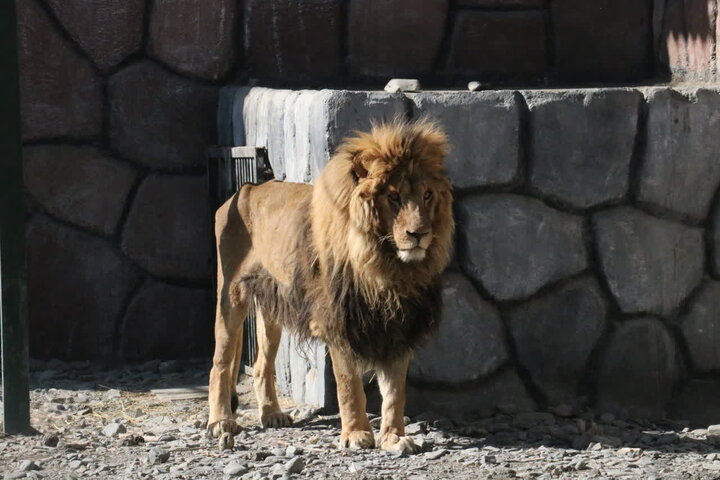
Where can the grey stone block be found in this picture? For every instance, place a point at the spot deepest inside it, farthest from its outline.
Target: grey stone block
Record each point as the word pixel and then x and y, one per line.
pixel 194 36
pixel 302 128
pixel 639 369
pixel 471 334
pixel 108 31
pixel 516 245
pixel 680 170
pixel 582 144
pixel 160 308
pixel 697 402
pixel 81 185
pixel 555 334
pixel 292 40
pixel 701 327
pixel 168 231
pixel 484 133
pixel 394 37
pixel 77 288
pixel 650 264
pixel 346 111
pixel 502 392
pixel 161 120
pixel 60 94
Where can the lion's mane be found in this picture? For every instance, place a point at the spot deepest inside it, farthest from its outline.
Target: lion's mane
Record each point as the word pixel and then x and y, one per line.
pixel 349 288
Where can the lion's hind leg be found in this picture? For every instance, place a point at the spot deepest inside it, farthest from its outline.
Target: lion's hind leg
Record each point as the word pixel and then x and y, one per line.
pixel 269 332
pixel 223 376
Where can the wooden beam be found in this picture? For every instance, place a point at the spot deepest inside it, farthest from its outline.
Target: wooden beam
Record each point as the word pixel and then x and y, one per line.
pixel 13 321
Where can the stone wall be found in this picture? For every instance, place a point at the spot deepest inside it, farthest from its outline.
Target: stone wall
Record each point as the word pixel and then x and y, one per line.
pixel 119 102
pixel 586 268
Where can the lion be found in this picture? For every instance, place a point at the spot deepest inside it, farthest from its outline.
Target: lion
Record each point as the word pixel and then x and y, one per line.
pixel 354 261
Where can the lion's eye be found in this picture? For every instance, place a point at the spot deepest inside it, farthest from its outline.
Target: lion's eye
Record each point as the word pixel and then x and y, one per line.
pixel 428 195
pixel 394 197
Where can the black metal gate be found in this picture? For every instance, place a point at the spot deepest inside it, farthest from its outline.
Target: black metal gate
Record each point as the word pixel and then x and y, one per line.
pixel 13 322
pixel 229 168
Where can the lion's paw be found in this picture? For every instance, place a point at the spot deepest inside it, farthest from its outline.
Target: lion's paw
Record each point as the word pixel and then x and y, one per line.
pixel 357 439
pixel 396 444
pixel 227 425
pixel 276 420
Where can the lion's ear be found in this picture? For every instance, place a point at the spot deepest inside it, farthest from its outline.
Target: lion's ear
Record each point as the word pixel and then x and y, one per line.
pixel 358 169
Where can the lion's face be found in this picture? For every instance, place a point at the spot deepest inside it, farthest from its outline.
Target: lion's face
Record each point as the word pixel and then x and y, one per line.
pixel 405 208
pixel 402 196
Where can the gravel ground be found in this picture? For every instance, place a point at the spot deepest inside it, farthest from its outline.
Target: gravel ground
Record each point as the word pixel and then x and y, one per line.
pixel 95 423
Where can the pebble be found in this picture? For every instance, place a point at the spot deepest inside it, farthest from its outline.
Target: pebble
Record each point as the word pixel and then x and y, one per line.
pixel 403 85
pixel 28 465
pixel 292 451
pixel 453 447
pixel 295 465
pixel 356 467
pixel 474 86
pixel 112 394
pixel 434 455
pixel 114 429
pixel 443 424
pixel 235 469
pixel 14 475
pixel 50 440
pixel 158 455
pixel 132 441
pixel 416 428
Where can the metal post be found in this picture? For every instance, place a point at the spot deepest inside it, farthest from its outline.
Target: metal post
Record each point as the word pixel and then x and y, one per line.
pixel 13 321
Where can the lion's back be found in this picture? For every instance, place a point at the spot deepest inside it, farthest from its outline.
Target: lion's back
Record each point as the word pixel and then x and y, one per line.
pixel 265 224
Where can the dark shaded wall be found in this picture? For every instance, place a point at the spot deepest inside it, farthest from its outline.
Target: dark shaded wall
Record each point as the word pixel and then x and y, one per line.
pixel 119 103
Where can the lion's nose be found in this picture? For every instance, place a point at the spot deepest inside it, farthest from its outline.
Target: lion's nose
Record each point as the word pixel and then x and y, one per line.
pixel 416 235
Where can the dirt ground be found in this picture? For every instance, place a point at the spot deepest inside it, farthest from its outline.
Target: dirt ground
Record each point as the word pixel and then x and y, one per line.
pixel 136 422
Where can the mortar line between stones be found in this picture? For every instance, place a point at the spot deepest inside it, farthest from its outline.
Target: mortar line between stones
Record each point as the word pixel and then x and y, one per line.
pixel 441 56
pixel 40 210
pixel 169 69
pixel 613 313
pixel 506 367
pixel 65 35
pixel 710 233
pixel 129 201
pixel 638 151
pixel 119 322
pixel 521 178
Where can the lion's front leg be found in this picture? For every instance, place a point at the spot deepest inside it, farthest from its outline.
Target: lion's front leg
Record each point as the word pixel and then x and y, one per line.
pixel 392 378
pixel 356 431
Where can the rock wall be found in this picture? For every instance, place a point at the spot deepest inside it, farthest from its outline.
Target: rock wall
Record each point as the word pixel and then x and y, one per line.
pixel 585 270
pixel 119 102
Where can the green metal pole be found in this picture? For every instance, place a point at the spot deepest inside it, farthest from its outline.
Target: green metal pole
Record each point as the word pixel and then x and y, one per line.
pixel 13 320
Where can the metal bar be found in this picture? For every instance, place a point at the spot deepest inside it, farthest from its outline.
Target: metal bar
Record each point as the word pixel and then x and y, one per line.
pixel 13 320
